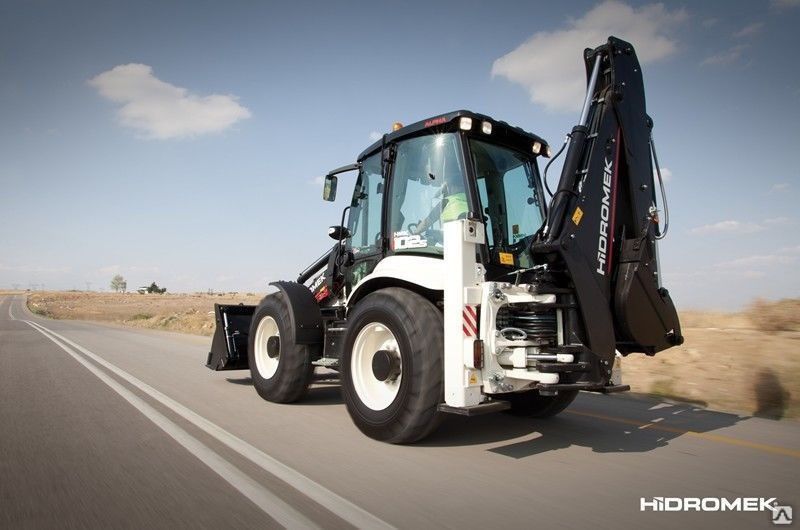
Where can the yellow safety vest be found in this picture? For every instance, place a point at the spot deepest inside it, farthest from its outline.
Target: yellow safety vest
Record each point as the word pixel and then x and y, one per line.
pixel 456 206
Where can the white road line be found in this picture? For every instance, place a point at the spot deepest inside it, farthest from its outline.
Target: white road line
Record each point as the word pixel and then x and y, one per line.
pixel 273 506
pixel 345 509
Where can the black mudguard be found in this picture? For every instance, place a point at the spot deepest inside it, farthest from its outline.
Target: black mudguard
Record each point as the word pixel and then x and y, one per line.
pixel 305 315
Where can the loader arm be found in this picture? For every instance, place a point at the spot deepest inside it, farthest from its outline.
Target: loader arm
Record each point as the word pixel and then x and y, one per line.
pixel 603 226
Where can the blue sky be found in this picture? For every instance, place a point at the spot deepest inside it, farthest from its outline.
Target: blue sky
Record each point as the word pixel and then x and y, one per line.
pixel 183 142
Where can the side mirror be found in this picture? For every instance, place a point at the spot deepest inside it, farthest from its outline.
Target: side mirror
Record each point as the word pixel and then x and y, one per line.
pixel 338 232
pixel 329 191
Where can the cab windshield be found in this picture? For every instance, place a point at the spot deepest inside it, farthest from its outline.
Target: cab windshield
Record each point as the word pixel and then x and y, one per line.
pixel 510 198
pixel 427 191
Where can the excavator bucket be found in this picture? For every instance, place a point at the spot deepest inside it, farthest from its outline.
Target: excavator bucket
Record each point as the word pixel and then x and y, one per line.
pixel 229 345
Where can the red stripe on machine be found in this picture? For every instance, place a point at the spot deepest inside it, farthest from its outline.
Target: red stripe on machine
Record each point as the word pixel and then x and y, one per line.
pixel 613 206
pixel 470 321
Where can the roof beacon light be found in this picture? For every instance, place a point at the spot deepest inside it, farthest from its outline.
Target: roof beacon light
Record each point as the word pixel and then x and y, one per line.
pixel 465 124
pixel 486 127
pixel 537 148
pixel 396 126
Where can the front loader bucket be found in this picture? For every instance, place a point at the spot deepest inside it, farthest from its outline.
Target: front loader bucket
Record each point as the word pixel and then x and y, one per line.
pixel 229 345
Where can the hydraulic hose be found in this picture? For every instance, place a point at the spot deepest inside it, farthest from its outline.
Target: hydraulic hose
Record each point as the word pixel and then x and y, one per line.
pixel 564 145
pixel 660 234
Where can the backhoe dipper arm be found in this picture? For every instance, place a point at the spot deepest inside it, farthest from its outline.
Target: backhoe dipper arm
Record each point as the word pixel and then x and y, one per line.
pixel 602 224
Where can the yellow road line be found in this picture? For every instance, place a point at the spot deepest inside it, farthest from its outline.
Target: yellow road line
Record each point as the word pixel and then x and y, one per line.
pixel 774 449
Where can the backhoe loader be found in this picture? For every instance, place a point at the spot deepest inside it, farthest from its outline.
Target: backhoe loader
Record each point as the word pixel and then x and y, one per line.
pixel 455 286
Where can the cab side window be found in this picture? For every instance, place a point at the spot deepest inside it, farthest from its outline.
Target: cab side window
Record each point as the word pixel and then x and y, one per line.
pixel 364 221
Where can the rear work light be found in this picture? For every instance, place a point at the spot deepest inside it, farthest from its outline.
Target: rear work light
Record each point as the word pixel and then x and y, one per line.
pixel 465 124
pixel 486 127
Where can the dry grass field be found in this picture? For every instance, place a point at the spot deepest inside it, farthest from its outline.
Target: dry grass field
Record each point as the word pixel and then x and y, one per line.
pixel 185 313
pixel 747 362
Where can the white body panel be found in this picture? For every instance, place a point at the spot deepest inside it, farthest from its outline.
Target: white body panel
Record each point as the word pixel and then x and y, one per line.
pixel 461 287
pixel 419 270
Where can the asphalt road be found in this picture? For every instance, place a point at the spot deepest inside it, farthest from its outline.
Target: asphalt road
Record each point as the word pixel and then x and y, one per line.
pixel 106 427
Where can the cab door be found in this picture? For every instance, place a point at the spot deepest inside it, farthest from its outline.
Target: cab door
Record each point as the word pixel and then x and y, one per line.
pixel 365 244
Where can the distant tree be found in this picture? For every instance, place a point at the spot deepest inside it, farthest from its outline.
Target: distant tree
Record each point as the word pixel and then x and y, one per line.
pixel 118 283
pixel 155 289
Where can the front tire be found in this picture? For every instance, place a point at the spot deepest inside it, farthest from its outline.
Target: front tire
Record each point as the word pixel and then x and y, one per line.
pixel 280 368
pixel 533 405
pixel 392 366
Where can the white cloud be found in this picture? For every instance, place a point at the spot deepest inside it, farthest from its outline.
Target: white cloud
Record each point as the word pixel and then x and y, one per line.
pixel 777 221
pixel 375 136
pixel 34 269
pixel 726 57
pixel 780 186
pixel 110 270
pixel 749 30
pixel 792 251
pixel 759 260
pixel 739 227
pixel 781 4
pixel 710 22
pixel 726 227
pixel 162 110
pixel 143 269
pixel 550 65
pixel 666 174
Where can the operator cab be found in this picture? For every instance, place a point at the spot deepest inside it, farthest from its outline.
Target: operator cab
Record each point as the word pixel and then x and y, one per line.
pixel 454 166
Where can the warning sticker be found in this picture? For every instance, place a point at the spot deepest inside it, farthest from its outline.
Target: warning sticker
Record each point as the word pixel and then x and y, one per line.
pixel 470 324
pixel 577 216
pixel 506 258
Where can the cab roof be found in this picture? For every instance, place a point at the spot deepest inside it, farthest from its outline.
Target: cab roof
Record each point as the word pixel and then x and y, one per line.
pixel 502 132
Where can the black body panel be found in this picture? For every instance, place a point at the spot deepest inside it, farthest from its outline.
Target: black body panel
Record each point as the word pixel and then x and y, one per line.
pixel 502 132
pixel 602 223
pixel 645 331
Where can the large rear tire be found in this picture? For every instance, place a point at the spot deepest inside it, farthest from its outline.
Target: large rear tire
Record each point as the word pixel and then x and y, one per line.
pixel 533 405
pixel 392 366
pixel 280 368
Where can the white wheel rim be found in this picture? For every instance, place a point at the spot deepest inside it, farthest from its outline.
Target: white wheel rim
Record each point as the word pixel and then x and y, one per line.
pixel 375 394
pixel 266 365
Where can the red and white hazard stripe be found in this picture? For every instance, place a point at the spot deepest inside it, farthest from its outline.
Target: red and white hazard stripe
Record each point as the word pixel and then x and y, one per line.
pixel 470 317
